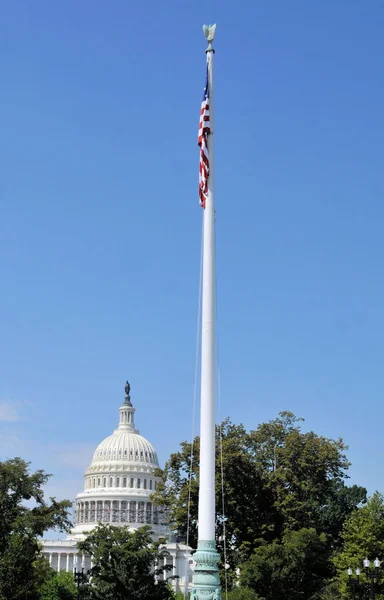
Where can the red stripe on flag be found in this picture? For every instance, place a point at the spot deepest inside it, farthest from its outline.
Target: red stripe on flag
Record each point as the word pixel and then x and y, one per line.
pixel 202 140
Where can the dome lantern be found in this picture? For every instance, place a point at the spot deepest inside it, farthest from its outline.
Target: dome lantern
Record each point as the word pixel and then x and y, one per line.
pixel 127 412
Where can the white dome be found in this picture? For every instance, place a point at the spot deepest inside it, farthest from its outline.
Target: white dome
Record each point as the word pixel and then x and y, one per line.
pixel 124 450
pixel 125 445
pixel 120 480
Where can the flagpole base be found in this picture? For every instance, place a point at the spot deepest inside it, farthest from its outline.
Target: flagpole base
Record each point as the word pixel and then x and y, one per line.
pixel 206 579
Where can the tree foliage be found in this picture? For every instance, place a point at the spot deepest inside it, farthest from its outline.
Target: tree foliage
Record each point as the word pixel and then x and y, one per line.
pixel 276 479
pixel 23 568
pixel 295 567
pixel 244 485
pixel 125 564
pixel 285 499
pixel 362 536
pixel 60 586
pixel 242 593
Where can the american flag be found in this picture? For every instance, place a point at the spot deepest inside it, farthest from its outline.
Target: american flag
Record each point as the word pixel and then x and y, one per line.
pixel 204 131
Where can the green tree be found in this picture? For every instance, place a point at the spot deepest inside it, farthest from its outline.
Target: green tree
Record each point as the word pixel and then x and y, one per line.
pixel 341 501
pixel 60 586
pixel 23 568
pixel 242 593
pixel 125 564
pixel 330 591
pixel 295 567
pixel 277 479
pixel 180 596
pixel 249 504
pixel 306 475
pixel 362 536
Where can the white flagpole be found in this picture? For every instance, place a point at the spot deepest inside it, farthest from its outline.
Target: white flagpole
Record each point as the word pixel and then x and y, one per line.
pixel 207 407
pixel 206 580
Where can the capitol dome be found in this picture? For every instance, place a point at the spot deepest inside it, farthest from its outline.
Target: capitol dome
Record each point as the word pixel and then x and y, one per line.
pixel 125 444
pixel 120 479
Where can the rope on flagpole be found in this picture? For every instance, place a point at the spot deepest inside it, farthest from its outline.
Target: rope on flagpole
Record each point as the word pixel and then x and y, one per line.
pixel 191 458
pixel 221 435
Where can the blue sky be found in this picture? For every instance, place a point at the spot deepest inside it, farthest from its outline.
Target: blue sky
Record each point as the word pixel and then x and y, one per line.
pixel 100 223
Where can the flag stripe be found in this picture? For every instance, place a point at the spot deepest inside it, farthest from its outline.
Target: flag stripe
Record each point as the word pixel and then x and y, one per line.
pixel 202 140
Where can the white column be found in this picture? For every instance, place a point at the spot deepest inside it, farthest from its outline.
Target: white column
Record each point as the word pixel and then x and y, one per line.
pixel 173 572
pixel 50 559
pixel 58 561
pixel 207 411
pixel 67 563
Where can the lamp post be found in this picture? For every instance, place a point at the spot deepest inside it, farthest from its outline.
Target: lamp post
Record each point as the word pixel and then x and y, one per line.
pixel 238 576
pixel 80 578
pixel 372 574
pixel 354 583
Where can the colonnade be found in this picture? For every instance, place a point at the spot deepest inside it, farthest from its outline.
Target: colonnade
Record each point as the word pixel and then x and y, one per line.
pixel 67 561
pixel 113 481
pixel 117 511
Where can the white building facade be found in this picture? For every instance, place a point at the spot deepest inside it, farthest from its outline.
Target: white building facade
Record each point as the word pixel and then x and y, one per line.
pixel 117 489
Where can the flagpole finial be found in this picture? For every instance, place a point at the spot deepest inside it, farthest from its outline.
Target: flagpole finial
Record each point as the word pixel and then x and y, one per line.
pixel 209 32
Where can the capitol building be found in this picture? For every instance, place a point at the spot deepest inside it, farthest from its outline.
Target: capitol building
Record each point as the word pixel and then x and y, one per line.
pixel 117 489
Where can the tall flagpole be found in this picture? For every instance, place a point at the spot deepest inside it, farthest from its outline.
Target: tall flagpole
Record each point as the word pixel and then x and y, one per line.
pixel 206 580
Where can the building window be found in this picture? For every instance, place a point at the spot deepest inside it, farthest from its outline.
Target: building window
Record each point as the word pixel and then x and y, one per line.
pixel 125 482
pixel 94 483
pixel 105 482
pixel 145 484
pixel 118 482
pixel 131 482
pixel 150 484
pixel 110 482
pixel 138 483
pixel 141 512
pixel 148 515
pixel 98 481
pixel 132 512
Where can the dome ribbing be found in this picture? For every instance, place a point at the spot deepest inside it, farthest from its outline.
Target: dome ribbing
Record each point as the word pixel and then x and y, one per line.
pixel 125 446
